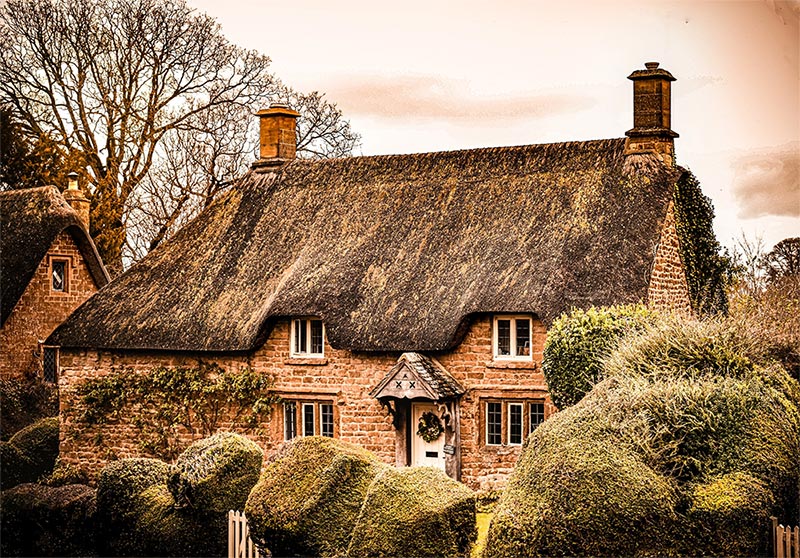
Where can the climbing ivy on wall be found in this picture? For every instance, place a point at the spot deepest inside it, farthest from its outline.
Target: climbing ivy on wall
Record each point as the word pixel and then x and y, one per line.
pixel 708 270
pixel 165 402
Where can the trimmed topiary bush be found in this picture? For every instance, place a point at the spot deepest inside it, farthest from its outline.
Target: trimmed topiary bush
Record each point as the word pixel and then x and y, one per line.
pixel 46 521
pixel 309 497
pixel 577 343
pixel 416 511
pixel 693 432
pixel 31 453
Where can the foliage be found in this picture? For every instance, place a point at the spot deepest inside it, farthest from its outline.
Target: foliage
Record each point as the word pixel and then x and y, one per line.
pixel 415 511
pixel 27 162
pixel 45 521
pixel 577 343
pixel 708 270
pixel 24 400
pixel 31 453
pixel 165 400
pixel 143 511
pixel 429 427
pixel 65 473
pixel 118 85
pixel 783 260
pixel 695 430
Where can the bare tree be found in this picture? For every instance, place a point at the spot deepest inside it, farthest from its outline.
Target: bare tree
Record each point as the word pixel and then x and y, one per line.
pixel 111 79
pixel 783 260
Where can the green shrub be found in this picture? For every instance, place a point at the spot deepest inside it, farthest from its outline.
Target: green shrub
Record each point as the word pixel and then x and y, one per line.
pixel 690 434
pixel 577 343
pixel 45 521
pixel 417 511
pixel 24 400
pixel 216 474
pixel 309 496
pixel 66 473
pixel 30 454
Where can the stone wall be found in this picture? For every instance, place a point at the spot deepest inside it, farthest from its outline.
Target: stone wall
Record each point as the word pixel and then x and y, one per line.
pixel 40 309
pixel 668 289
pixel 342 377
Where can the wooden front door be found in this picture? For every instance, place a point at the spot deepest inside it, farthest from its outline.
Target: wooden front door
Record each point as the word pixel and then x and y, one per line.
pixel 429 454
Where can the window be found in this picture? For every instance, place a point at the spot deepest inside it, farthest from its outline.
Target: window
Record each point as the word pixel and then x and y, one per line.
pixel 58 275
pixel 307 338
pixel 512 338
pixel 509 422
pixel 50 364
pixel 316 418
pixel 494 424
pixel 515 424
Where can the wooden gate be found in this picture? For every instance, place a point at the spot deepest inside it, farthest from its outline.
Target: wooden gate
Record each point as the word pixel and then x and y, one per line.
pixel 239 543
pixel 786 540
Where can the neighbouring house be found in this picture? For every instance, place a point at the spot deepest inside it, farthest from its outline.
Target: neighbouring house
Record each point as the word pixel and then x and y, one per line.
pixel 391 295
pixel 48 267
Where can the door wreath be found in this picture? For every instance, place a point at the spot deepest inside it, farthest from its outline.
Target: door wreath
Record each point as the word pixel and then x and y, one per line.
pixel 429 427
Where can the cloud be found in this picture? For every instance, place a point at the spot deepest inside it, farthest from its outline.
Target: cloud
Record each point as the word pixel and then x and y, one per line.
pixel 429 97
pixel 768 182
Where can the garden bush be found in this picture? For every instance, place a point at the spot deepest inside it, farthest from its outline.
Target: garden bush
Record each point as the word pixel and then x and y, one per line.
pixel 31 453
pixel 693 432
pixel 48 521
pixel 309 496
pixel 416 511
pixel 577 343
pixel 25 399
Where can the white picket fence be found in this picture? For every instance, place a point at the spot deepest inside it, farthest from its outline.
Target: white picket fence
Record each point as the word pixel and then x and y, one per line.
pixel 239 543
pixel 786 540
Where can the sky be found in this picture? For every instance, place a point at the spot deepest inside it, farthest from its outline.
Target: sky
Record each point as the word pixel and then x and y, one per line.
pixel 430 75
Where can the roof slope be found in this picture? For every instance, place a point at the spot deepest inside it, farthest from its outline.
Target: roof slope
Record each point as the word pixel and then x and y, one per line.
pixel 393 252
pixel 30 220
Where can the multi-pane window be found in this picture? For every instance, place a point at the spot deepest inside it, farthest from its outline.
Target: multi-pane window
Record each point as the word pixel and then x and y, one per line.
pixel 58 275
pixel 509 422
pixel 494 424
pixel 512 337
pixel 307 338
pixel 515 423
pixel 315 418
pixel 536 411
pixel 50 364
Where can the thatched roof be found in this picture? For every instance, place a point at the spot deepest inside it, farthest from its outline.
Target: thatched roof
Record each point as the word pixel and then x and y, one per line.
pixel 394 253
pixel 30 220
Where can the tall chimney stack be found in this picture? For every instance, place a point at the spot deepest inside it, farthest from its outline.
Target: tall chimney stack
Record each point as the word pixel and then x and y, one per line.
pixel 77 199
pixel 277 134
pixel 651 132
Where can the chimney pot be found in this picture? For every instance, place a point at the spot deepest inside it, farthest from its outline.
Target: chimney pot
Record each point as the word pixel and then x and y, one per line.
pixel 77 199
pixel 277 128
pixel 651 65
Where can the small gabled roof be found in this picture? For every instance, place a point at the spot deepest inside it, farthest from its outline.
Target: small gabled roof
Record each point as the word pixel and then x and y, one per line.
pixel 30 220
pixel 394 253
pixel 416 375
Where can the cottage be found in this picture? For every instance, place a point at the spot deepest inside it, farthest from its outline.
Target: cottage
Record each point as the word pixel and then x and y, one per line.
pixel 400 302
pixel 48 267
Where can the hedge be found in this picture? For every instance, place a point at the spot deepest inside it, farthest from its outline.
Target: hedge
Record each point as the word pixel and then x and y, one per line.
pixel 30 454
pixel 415 511
pixel 48 521
pixel 577 343
pixel 691 432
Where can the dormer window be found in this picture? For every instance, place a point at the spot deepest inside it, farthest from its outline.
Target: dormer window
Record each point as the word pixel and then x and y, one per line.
pixel 58 275
pixel 308 336
pixel 512 337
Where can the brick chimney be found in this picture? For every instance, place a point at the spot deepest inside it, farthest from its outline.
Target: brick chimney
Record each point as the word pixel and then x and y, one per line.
pixel 77 199
pixel 651 132
pixel 277 134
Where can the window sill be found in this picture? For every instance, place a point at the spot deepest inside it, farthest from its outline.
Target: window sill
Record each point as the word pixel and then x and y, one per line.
pixel 513 364
pixel 298 361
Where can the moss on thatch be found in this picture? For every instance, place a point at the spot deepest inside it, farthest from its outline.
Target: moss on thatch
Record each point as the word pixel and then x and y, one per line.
pixel 538 228
pixel 216 474
pixel 46 521
pixel 417 511
pixel 30 454
pixel 30 220
pixel 688 416
pixel 309 497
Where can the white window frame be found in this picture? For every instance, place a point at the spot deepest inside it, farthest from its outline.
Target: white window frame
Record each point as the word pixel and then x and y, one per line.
pixel 292 338
pixel 486 421
pixel 65 261
pixel 321 415
pixel 313 407
pixel 286 406
pixel 513 332
pixel 521 406
pixel 531 414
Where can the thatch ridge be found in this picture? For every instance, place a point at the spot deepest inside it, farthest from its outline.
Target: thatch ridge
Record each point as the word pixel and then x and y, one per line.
pixel 30 220
pixel 393 252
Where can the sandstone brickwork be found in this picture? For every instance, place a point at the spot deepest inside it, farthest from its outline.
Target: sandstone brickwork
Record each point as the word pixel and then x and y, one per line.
pixel 668 290
pixel 41 309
